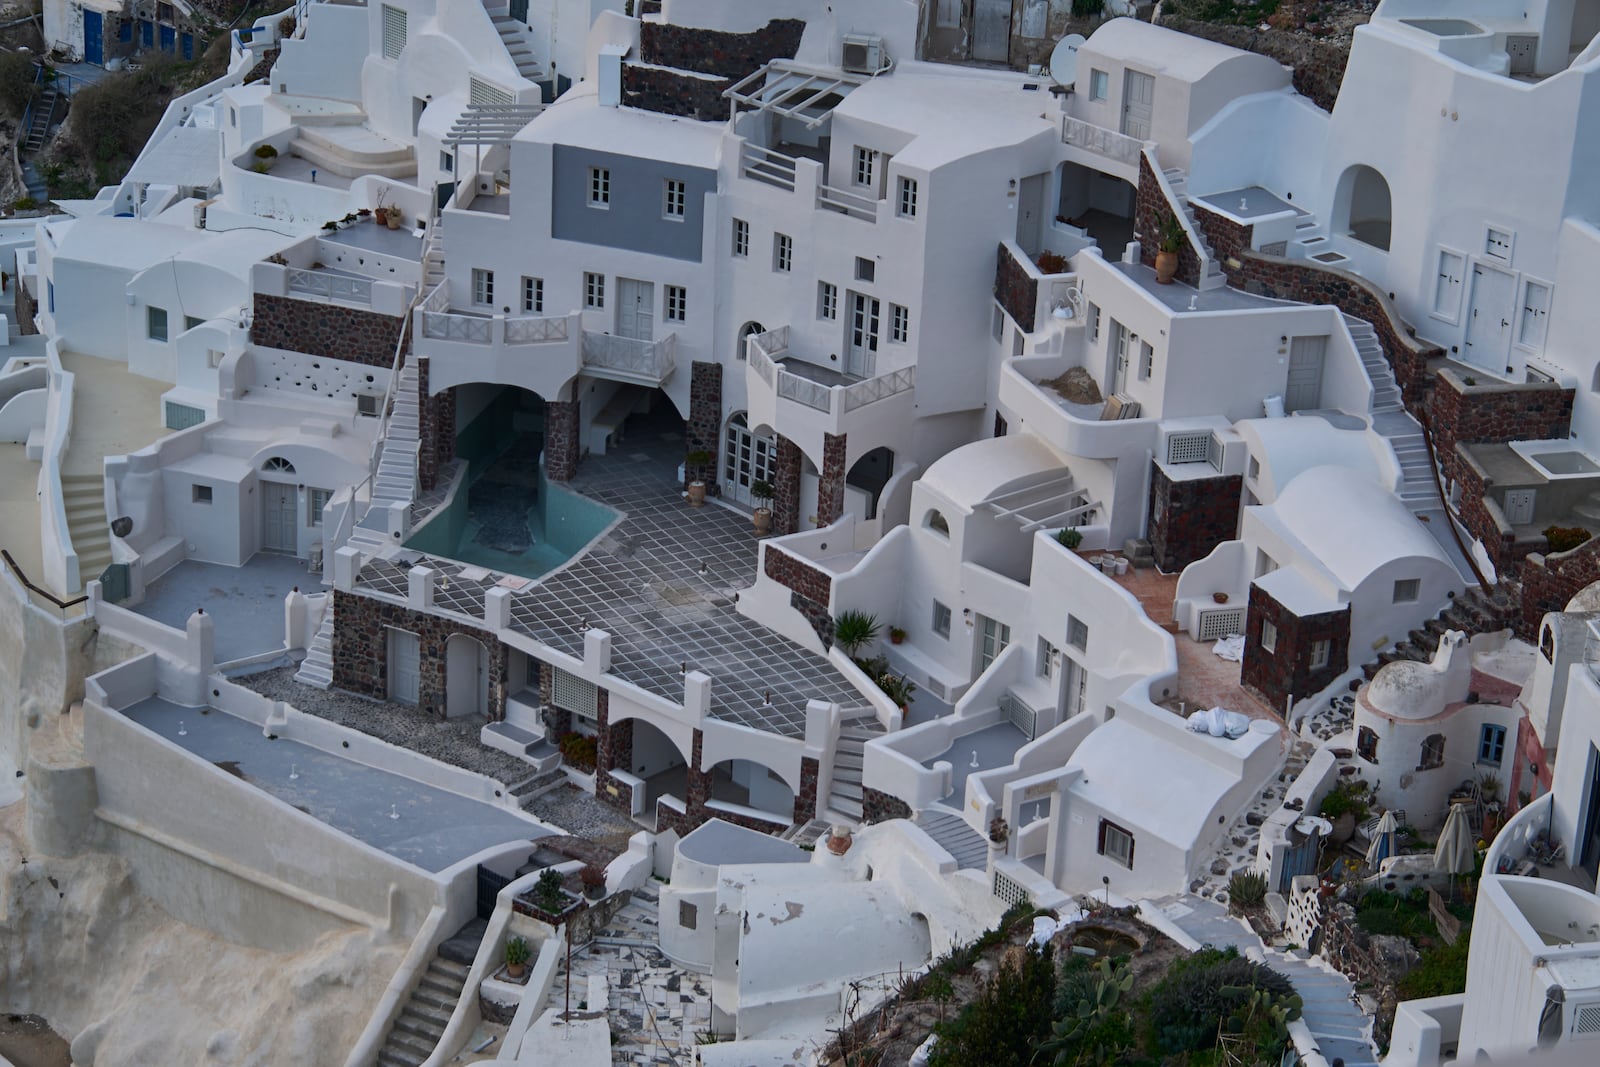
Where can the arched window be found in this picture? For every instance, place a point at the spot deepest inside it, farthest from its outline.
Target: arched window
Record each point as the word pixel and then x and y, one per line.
pixel 935 522
pixel 278 465
pixel 1362 208
pixel 1432 752
pixel 748 330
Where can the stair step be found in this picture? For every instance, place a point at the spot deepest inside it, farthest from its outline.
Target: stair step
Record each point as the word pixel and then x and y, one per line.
pixel 388 1058
pixel 405 1040
pixel 426 1029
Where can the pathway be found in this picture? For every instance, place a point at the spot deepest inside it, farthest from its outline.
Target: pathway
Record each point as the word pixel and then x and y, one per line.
pixel 1330 1011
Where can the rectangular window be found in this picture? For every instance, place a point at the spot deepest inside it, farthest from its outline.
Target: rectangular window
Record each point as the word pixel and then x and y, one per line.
pixel 316 500
pixel 233 115
pixel 1147 361
pixel 1116 844
pixel 1447 286
pixel 1531 319
pixel 1255 468
pixel 1497 244
pixel 190 322
pixel 863 171
pixel 688 915
pixel 782 253
pixel 594 290
pixel 741 237
pixel 599 187
pixel 482 287
pixel 1048 654
pixel 1094 323
pixel 899 324
pixel 941 619
pixel 1492 744
pixel 677 303
pixel 532 295
pixel 866 270
pixel 200 494
pixel 155 323
pixel 676 199
pixel 447 162
pixel 1319 654
pixel 906 206
pixel 394 32
pixel 1077 633
pixel 1269 636
pixel 998 327
pixel 1099 84
pixel 827 300
pixel 1406 590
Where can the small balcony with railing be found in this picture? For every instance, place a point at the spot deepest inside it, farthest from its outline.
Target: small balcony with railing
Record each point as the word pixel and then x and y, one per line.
pixel 801 399
pixel 539 353
pixel 1117 152
pixel 629 359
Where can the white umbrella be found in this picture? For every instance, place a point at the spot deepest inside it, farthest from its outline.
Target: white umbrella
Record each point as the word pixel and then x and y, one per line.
pixel 1382 846
pixel 1456 853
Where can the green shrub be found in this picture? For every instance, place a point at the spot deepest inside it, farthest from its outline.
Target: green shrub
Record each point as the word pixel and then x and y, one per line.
pixel 547 893
pixel 853 629
pixel 578 750
pixel 1442 972
pixel 517 950
pixel 1565 538
pixel 1069 538
pixel 1346 796
pixel 1187 1005
pixel 17 81
pixel 1011 1015
pixel 1247 891
pixel 266 151
pixel 25 203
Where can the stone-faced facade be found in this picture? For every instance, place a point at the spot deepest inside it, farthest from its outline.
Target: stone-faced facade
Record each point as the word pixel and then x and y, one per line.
pixel 703 429
pixel 361 651
pixel 1016 289
pixel 830 486
pixel 1190 518
pixel 1151 209
pixel 328 330
pixel 1287 669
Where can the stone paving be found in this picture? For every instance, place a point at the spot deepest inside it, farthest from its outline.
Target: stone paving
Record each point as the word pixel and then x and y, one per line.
pixel 1335 720
pixel 1237 854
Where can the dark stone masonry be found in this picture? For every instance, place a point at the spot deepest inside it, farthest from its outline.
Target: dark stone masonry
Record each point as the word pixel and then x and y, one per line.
pixel 1189 519
pixel 704 427
pixel 327 330
pixel 361 651
pixel 1287 670
pixel 830 487
pixel 1016 289
pixel 796 574
pixel 786 484
pixel 878 806
pixel 805 801
pixel 1548 582
pixel 561 445
pixel 1151 208
pixel 1493 412
pixel 726 55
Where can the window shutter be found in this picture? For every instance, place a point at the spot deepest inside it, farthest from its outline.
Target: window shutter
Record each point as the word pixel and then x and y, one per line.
pixel 1130 852
pixel 1100 846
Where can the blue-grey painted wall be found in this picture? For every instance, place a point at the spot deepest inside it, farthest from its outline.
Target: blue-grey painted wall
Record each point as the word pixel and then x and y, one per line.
pixel 635 220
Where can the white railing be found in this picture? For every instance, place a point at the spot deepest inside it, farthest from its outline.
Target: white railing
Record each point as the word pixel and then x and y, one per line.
pixel 330 286
pixel 804 391
pixel 880 388
pixel 765 349
pixel 535 331
pixel 765 165
pixel 832 198
pixel 438 300
pixel 442 326
pixel 1101 141
pixel 630 358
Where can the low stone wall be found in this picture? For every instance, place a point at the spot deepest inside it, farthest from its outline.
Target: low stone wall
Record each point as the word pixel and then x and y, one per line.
pixel 1189 519
pixel 796 574
pixel 328 330
pixel 726 55
pixel 1493 412
pixel 1483 519
pixel 361 651
pixel 1016 289
pixel 670 93
pixel 878 806
pixel 1548 582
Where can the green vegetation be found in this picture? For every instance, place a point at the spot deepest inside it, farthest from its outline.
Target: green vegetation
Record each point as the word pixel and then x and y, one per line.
pixel 1443 971
pixel 1565 538
pixel 547 894
pixel 1200 992
pixel 853 629
pixel 578 750
pixel 1088 9
pixel 1247 891
pixel 112 119
pixel 1069 538
pixel 517 951
pixel 1010 1018
pixel 1348 796
pixel 17 81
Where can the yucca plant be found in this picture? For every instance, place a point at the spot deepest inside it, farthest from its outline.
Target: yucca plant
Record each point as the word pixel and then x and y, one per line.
pixel 852 629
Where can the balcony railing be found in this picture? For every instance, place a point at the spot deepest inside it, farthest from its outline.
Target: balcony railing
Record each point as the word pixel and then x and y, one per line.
pixel 441 324
pixel 766 351
pixel 765 165
pixel 832 198
pixel 1101 141
pixel 607 355
pixel 330 286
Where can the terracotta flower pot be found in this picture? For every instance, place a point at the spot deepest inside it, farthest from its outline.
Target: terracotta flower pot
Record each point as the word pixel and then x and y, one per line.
pixel 392 220
pixel 762 520
pixel 697 494
pixel 1166 267
pixel 1220 598
pixel 515 969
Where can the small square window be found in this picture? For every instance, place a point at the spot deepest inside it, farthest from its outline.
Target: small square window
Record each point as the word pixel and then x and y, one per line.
pixel 899 324
pixel 482 287
pixel 1269 636
pixel 866 270
pixel 676 199
pixel 594 291
pixel 155 321
pixel 1319 654
pixel 906 206
pixel 599 187
pixel 941 619
pixel 447 162
pixel 533 295
pixel 827 300
pixel 688 915
pixel 200 494
pixel 741 237
pixel 316 500
pixel 782 253
pixel 1406 590
pixel 1077 633
pixel 191 321
pixel 1116 844
pixel 677 303
pixel 863 169
pixel 1099 84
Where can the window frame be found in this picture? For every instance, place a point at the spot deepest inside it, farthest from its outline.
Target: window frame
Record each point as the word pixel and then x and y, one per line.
pixel 1077 634
pixel 864 162
pixel 782 253
pixel 675 303
pixel 600 188
pixel 1321 652
pixel 313 510
pixel 906 199
pixel 741 238
pixel 1492 737
pixel 1407 590
pixel 942 618
pixel 827 301
pixel 164 335
pixel 200 494
pixel 1269 637
pixel 1047 656
pixel 1099 84
pixel 594 290
pixel 675 200
pixel 532 295
pixel 482 287
pixel 899 324
pixel 1432 755
pixel 1107 829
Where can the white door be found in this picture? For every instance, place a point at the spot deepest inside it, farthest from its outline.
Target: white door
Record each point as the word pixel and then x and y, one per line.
pixel 1119 359
pixel 1138 101
pixel 1074 683
pixel 1489 321
pixel 278 513
pixel 746 459
pixel 1303 392
pixel 405 667
pixel 1030 213
pixel 991 30
pixel 466 674
pixel 1519 506
pixel 862 358
pixel 994 636
pixel 635 309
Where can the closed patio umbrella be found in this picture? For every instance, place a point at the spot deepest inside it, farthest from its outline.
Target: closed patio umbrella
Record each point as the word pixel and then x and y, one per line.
pixel 1456 853
pixel 1382 846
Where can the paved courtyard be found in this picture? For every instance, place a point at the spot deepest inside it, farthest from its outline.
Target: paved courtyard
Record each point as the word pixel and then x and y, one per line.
pixel 664 583
pixel 245 603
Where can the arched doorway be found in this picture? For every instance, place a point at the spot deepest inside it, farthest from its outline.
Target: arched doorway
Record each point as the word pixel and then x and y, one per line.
pixel 747 458
pixel 657 760
pixel 752 785
pixel 280 506
pixel 1362 206
pixel 747 331
pixel 865 482
pixel 466 676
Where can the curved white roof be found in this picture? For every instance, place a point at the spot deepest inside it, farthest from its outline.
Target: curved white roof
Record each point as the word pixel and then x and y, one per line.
pixel 1288 447
pixel 1351 524
pixel 973 473
pixel 1177 55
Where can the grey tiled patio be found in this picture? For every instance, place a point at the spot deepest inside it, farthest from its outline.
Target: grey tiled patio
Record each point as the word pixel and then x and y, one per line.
pixel 664 583
pixel 246 603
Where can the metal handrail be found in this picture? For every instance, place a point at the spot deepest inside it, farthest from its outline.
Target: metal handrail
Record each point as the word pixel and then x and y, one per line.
pixel 27 584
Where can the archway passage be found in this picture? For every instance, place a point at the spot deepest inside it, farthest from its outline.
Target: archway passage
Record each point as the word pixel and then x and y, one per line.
pixel 1100 204
pixel 1364 206
pixel 749 784
pixel 863 486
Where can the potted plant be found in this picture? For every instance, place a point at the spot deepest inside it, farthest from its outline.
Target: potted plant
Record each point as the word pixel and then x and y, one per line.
pixel 896 635
pixel 693 463
pixel 594 881
pixel 1069 538
pixel 547 894
pixel 1168 244
pixel 363 214
pixel 516 955
pixel 853 629
pixel 266 156
pixel 999 832
pixel 763 492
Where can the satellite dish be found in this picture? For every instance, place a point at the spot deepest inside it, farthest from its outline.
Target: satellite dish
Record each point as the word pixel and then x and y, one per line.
pixel 1064 60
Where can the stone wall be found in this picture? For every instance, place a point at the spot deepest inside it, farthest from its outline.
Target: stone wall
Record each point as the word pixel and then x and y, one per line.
pixel 1316 67
pixel 796 574
pixel 27 307
pixel 786 486
pixel 805 799
pixel 1483 519
pixel 1493 412
pixel 613 750
pixel 1189 519
pixel 1151 208
pixel 361 651
pixel 726 55
pixel 1228 239
pixel 878 806
pixel 817 615
pixel 1016 289
pixel 561 446
pixel 1286 670
pixel 704 427
pixel 830 486
pixel 1548 582
pixel 436 428
pixel 670 93
pixel 328 330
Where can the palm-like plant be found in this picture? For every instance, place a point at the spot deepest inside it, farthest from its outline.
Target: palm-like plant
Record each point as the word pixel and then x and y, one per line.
pixel 853 629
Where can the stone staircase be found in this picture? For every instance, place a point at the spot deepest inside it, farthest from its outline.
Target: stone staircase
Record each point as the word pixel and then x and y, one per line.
pixel 513 35
pixel 1212 275
pixel 1310 241
pixel 41 117
pixel 316 670
pixel 968 847
pixel 1385 390
pixel 844 794
pixel 84 496
pixel 421 1023
pixel 1473 612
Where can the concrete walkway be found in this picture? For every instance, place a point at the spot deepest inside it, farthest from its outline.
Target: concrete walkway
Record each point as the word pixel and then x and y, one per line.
pixel 1330 1011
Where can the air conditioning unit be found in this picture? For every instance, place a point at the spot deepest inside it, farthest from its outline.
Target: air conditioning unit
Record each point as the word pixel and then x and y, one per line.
pixel 863 54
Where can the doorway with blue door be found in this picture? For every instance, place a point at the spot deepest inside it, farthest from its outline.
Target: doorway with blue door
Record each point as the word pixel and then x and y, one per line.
pixel 94 48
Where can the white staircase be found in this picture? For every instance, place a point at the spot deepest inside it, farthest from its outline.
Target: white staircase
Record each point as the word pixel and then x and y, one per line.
pixel 1390 419
pixel 1212 275
pixel 316 670
pixel 513 35
pixel 84 496
pixel 844 794
pixel 965 845
pixel 396 480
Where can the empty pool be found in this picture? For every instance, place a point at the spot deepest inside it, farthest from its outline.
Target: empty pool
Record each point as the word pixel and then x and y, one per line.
pixel 1559 463
pixel 1445 27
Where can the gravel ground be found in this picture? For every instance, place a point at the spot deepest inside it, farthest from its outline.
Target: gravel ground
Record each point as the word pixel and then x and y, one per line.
pixel 581 815
pixel 453 741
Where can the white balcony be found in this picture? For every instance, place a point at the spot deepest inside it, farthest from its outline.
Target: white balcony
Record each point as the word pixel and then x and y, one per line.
pixel 1075 429
pixel 535 352
pixel 1105 144
pixel 801 400
pixel 626 359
